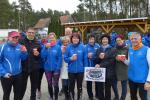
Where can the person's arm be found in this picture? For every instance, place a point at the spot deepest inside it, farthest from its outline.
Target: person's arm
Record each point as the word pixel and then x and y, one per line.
pixel 2 70
pixel 67 58
pixel 147 83
pixel 43 53
pixel 85 56
pixel 59 62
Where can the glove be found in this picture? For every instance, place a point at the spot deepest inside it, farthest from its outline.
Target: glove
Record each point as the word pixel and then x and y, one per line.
pixel 7 75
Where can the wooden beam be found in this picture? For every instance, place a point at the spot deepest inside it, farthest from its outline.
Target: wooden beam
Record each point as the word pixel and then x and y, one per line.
pixel 141 28
pixel 82 29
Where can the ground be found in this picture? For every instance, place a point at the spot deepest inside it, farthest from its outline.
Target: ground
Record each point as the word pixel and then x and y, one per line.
pixel 45 95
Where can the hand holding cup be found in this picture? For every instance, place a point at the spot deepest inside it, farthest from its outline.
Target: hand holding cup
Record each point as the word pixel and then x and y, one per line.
pixel 35 52
pixel 48 45
pixel 23 48
pixel 63 49
pixel 74 57
pixel 90 54
pixel 121 57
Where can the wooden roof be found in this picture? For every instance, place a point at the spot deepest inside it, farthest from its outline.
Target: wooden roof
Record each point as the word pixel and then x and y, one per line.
pixel 44 22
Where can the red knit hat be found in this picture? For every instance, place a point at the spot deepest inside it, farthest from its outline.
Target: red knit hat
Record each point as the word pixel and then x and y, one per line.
pixel 120 36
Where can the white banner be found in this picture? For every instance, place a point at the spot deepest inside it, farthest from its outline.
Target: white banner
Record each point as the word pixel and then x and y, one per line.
pixel 94 74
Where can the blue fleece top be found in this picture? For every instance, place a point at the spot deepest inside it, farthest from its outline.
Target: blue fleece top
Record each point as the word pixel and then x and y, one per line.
pixel 91 49
pixel 10 59
pixel 52 57
pixel 78 65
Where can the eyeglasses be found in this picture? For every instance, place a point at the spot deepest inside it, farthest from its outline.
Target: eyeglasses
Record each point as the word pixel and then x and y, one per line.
pixel 31 32
pixel 136 38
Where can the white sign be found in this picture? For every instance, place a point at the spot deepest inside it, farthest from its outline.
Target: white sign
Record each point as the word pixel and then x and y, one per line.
pixel 94 74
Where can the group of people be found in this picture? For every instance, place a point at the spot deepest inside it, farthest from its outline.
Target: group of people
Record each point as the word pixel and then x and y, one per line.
pixel 66 58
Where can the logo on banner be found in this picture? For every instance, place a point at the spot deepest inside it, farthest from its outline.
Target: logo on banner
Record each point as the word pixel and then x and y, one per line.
pixel 94 74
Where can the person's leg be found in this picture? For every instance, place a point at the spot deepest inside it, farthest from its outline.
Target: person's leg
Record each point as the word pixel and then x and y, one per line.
pixel 49 76
pixel 24 83
pixel 108 85
pixel 71 84
pixel 96 89
pixel 17 82
pixel 66 88
pixel 6 86
pixel 124 90
pixel 62 88
pixel 79 85
pixel 34 76
pixel 41 71
pixel 133 90
pixel 89 89
pixel 55 84
pixel 115 89
pixel 100 86
pixel 142 92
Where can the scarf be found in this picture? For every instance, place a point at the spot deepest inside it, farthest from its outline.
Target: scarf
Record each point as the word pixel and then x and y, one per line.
pixel 137 46
pixel 120 46
pixel 30 38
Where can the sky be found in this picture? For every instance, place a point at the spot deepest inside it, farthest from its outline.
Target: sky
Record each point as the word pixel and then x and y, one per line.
pixel 60 5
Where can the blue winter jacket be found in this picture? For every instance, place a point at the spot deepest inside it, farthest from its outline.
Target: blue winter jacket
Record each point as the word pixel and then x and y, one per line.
pixel 146 40
pixel 91 49
pixel 78 65
pixel 10 59
pixel 52 57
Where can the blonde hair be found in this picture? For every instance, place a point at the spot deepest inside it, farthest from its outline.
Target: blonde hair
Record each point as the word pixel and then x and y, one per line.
pixel 65 38
pixel 52 33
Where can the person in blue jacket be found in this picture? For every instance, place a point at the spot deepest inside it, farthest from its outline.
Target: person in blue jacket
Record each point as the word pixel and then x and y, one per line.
pixel 113 37
pixel 138 68
pixel 90 49
pixel 75 57
pixel 11 54
pixel 146 39
pixel 42 41
pixel 52 55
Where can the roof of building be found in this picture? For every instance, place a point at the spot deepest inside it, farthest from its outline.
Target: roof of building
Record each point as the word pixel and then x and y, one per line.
pixel 44 22
pixel 66 19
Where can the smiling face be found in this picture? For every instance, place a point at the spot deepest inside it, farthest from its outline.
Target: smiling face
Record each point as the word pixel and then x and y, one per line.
pixel 13 40
pixel 135 39
pixel 105 41
pixel 51 37
pixel 119 41
pixel 30 33
pixel 91 40
pixel 75 40
pixel 68 32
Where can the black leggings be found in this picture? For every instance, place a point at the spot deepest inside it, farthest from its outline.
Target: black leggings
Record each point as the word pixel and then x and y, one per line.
pixel 7 84
pixel 41 72
pixel 104 92
pixel 34 76
pixel 75 77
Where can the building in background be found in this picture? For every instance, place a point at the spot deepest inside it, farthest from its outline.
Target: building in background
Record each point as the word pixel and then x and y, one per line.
pixel 4 34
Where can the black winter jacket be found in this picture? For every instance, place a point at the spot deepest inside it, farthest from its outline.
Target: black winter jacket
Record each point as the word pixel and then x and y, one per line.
pixel 32 62
pixel 108 62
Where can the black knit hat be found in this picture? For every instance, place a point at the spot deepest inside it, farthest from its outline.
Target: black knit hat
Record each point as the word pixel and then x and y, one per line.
pixel 107 36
